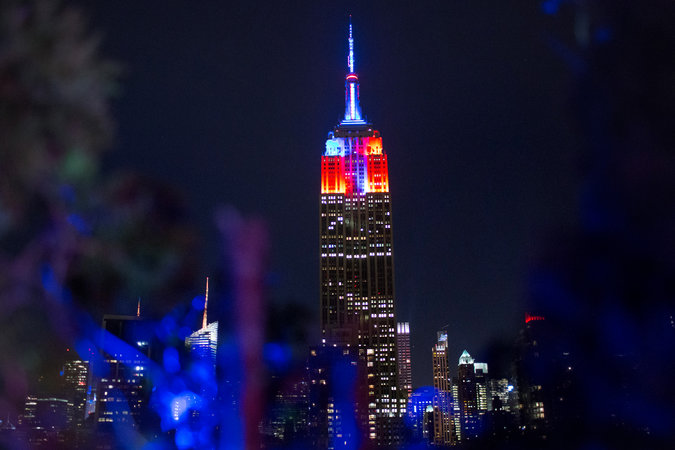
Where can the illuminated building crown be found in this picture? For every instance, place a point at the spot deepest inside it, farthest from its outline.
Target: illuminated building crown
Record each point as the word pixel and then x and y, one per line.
pixel 354 162
pixel 465 358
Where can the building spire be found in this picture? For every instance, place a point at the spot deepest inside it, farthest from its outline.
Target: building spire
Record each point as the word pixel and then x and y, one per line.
pixel 138 308
pixel 350 57
pixel 352 109
pixel 206 302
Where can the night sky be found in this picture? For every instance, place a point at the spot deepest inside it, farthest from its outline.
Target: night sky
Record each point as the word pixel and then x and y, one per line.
pixel 232 104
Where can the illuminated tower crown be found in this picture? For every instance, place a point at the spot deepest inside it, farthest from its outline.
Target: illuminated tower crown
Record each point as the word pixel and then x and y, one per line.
pixel 352 107
pixel 353 162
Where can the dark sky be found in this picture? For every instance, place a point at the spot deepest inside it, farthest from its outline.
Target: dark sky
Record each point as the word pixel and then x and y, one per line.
pixel 232 104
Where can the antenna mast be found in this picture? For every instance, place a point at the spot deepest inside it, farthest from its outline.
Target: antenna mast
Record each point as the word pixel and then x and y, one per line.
pixel 206 302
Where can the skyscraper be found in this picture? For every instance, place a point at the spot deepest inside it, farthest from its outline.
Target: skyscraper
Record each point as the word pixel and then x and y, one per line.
pixel 203 343
pixel 202 346
pixel 76 385
pixel 443 424
pixel 480 371
pixel 472 395
pixel 356 257
pixel 548 383
pixel 403 361
pixel 122 393
pixel 500 388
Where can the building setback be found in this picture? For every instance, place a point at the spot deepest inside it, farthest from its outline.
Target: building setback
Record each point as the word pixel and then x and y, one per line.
pixel 356 259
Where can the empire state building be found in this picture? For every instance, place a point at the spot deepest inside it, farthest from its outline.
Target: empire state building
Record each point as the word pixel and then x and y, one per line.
pixel 357 262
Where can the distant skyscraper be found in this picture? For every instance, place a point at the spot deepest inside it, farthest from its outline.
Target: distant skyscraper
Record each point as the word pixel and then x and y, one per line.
pixel 456 413
pixel 467 396
pixel 203 343
pixel 500 423
pixel 403 361
pixel 46 421
pixel 443 424
pixel 420 410
pixel 501 389
pixel 531 352
pixel 337 401
pixel 122 394
pixel 548 386
pixel 285 424
pixel 480 371
pixel 472 393
pixel 76 381
pixel 202 346
pixel 356 258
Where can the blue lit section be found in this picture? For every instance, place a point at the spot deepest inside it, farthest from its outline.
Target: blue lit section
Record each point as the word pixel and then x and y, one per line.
pixel 353 109
pixel 352 105
pixel 333 147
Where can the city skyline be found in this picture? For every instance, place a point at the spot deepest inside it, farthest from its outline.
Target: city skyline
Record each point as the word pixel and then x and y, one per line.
pixel 507 251
pixel 481 255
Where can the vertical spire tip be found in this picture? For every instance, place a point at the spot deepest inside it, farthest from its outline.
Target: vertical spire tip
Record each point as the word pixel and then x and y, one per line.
pixel 206 302
pixel 353 110
pixel 350 58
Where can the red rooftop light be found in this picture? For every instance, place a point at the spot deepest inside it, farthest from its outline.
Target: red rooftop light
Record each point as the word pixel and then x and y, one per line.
pixel 529 318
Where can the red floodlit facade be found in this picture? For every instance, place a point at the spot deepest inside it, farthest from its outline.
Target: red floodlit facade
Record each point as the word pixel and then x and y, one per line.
pixel 354 165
